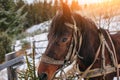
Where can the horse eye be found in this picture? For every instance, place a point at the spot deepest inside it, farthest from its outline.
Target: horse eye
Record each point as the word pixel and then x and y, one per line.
pixel 64 39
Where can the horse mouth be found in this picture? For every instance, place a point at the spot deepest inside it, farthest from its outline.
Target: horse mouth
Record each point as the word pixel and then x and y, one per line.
pixel 43 76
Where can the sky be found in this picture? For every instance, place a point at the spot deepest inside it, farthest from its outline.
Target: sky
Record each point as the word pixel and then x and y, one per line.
pixel 80 1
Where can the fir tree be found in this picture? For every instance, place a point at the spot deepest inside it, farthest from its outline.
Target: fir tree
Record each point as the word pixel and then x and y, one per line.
pixel 5 45
pixel 40 11
pixel 11 24
pixel 11 20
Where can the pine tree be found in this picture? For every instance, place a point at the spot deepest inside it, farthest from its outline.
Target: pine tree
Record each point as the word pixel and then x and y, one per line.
pixel 40 11
pixel 55 7
pixel 5 45
pixel 11 24
pixel 11 20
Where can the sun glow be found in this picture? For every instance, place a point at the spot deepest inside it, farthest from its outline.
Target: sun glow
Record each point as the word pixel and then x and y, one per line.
pixel 90 1
pixel 80 1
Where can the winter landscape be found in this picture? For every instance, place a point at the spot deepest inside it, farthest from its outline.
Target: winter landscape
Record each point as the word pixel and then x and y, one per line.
pixel 22 31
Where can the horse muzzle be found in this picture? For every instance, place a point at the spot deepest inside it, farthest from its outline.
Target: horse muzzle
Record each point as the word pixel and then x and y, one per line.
pixel 43 76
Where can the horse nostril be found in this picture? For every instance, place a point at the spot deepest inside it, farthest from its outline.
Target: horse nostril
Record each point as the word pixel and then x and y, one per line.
pixel 43 76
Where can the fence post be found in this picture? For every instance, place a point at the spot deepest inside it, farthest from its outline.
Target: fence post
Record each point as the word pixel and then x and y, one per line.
pixel 12 74
pixel 33 54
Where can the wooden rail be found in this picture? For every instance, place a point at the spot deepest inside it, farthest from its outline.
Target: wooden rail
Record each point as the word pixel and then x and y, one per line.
pixel 11 61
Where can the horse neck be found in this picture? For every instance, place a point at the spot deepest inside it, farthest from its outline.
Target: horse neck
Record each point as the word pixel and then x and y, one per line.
pixel 90 44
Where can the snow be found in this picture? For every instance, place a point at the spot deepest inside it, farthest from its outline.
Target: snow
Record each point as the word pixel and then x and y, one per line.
pixel 31 39
pixel 3 74
pixel 44 26
pixel 114 23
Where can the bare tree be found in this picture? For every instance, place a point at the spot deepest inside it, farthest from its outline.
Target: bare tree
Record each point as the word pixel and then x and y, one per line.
pixel 105 15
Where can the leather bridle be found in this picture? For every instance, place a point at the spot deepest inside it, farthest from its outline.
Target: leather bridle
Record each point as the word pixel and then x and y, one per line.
pixel 72 51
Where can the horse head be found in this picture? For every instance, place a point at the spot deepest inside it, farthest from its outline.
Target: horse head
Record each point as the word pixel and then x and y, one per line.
pixel 68 33
pixel 59 38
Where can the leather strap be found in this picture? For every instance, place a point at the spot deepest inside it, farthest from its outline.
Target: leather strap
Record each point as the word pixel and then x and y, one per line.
pixel 49 60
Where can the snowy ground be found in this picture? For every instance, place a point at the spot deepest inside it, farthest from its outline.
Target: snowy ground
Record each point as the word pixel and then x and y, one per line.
pixel 43 26
pixel 3 76
pixel 113 23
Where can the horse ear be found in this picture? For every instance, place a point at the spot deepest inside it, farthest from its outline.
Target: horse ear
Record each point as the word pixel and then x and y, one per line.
pixel 66 11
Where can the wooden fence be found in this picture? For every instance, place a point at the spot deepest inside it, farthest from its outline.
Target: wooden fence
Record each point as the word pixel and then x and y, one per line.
pixel 12 61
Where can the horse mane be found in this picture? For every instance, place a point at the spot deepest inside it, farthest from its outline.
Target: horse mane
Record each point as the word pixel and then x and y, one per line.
pixel 91 40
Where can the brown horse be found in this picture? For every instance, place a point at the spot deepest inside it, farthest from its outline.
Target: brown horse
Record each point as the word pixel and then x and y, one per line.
pixel 73 37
